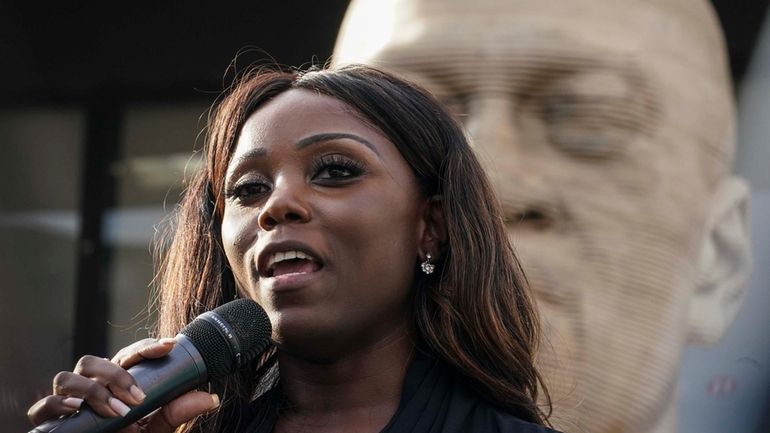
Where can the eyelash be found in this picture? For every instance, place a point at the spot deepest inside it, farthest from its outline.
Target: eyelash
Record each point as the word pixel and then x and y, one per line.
pixel 244 189
pixel 329 161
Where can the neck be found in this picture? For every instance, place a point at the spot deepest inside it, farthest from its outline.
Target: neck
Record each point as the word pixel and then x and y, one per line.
pixel 359 391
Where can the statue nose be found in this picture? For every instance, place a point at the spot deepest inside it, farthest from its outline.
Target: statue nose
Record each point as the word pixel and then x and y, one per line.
pixel 492 126
pixel 517 162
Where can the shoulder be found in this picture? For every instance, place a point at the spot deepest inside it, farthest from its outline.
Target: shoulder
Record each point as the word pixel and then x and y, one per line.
pixel 485 418
pixel 438 399
pixel 477 414
pixel 482 416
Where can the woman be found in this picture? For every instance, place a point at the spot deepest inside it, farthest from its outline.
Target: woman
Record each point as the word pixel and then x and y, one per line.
pixel 348 204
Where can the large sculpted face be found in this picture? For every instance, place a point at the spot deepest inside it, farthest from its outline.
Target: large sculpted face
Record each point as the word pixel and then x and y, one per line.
pixel 606 128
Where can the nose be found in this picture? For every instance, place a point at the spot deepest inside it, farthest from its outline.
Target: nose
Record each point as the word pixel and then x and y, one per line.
pixel 491 125
pixel 288 203
pixel 518 164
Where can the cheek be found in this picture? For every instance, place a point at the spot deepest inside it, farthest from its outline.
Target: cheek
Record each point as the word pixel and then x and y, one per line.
pixel 236 238
pixel 382 239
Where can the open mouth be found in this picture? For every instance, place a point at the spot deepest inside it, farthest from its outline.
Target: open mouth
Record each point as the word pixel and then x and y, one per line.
pixel 291 262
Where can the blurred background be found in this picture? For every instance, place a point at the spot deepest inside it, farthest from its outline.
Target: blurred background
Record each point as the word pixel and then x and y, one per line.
pixel 101 112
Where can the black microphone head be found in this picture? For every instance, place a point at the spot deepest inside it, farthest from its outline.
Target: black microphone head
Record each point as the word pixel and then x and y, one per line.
pixel 229 336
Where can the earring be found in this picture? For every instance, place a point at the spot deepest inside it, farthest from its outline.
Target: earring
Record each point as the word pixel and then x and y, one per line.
pixel 426 266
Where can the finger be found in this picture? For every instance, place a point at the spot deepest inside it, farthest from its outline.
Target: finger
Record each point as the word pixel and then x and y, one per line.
pixel 101 400
pixel 52 407
pixel 181 410
pixel 120 383
pixel 133 348
pixel 145 349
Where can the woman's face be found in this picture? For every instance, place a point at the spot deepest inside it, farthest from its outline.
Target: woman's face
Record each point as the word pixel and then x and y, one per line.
pixel 322 224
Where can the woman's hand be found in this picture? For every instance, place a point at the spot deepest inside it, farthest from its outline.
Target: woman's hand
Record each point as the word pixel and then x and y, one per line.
pixel 111 391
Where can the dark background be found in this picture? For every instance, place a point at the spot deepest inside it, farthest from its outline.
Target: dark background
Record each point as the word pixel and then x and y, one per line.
pixel 62 52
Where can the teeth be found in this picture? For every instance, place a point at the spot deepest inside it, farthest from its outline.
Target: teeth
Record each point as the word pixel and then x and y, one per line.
pixel 286 255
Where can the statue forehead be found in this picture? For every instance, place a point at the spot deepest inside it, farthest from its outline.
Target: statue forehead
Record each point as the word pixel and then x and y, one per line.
pixel 697 11
pixel 653 27
pixel 677 42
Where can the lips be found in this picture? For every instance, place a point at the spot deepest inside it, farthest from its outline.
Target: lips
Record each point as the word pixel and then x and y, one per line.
pixel 286 258
pixel 291 262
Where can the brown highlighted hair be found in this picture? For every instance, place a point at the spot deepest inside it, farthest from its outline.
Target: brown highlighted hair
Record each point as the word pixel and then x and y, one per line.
pixel 475 312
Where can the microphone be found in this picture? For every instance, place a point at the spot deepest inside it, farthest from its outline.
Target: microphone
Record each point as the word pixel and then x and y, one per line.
pixel 212 346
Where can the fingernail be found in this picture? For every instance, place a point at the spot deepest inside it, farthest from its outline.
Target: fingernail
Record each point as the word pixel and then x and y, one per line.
pixel 72 402
pixel 136 393
pixel 166 340
pixel 214 401
pixel 118 406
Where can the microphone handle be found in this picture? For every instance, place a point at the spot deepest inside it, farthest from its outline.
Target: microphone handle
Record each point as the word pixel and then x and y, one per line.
pixel 162 380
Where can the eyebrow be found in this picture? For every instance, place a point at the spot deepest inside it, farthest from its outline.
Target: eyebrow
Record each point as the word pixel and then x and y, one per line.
pixel 318 138
pixel 305 142
pixel 251 154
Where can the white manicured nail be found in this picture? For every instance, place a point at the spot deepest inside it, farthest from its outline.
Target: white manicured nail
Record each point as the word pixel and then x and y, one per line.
pixel 72 402
pixel 137 393
pixel 118 406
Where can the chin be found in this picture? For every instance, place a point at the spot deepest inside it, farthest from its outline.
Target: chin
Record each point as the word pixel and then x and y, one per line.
pixel 301 334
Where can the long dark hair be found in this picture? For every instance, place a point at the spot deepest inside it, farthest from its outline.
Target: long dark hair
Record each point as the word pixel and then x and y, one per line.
pixel 475 312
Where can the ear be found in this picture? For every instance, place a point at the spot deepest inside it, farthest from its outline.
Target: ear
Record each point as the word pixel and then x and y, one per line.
pixel 724 264
pixel 434 231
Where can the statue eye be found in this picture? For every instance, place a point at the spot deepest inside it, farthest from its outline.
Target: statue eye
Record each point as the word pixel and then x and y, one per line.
pixel 597 114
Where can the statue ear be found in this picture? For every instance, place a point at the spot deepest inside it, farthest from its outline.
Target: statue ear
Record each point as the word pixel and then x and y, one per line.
pixel 724 264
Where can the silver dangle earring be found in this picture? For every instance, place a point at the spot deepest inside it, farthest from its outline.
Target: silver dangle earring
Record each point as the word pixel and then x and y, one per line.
pixel 426 266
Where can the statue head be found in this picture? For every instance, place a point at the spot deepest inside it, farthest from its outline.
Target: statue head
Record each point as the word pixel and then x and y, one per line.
pixel 607 127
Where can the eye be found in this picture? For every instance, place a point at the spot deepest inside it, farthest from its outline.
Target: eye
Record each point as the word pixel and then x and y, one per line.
pixel 248 190
pixel 596 114
pixel 336 167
